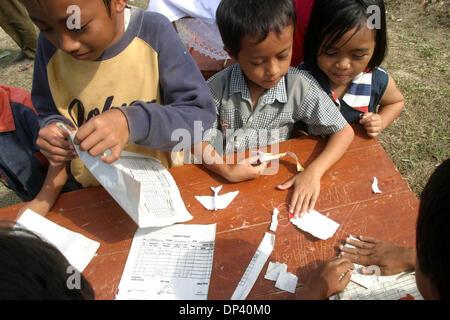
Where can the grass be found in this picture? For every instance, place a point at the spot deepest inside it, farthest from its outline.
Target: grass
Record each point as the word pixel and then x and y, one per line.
pixel 418 59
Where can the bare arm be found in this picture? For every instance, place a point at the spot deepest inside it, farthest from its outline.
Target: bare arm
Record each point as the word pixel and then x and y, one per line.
pixel 307 183
pixel 54 182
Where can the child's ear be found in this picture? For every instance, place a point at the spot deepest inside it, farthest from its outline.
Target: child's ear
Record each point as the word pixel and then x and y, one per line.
pixel 229 53
pixel 118 5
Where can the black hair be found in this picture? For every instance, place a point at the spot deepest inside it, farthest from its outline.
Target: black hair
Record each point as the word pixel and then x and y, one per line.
pixel 331 19
pixel 238 18
pixel 33 269
pixel 108 6
pixel 433 230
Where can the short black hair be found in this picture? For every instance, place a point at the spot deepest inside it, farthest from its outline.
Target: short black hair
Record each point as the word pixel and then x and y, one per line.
pixel 238 18
pixel 331 19
pixel 33 269
pixel 433 230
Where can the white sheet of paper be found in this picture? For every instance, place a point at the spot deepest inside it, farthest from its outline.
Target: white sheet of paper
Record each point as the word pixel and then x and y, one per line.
pixel 254 268
pixel 369 280
pixel 274 223
pixel 287 281
pixel 141 185
pixel 274 269
pixel 385 290
pixel 77 249
pixel 316 224
pixel 217 202
pixel 170 263
pixel 375 188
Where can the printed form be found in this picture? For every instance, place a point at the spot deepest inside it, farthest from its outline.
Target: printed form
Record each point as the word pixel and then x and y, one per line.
pixel 141 185
pixel 170 263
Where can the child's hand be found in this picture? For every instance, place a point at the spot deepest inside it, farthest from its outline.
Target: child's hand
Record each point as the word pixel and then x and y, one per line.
pixel 107 131
pixel 306 191
pixel 245 170
pixel 327 280
pixel 372 123
pixel 40 207
pixel 55 144
pixel 369 251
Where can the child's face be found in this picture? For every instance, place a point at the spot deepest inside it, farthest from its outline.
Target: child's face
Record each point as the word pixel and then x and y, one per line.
pixel 98 30
pixel 266 62
pixel 348 57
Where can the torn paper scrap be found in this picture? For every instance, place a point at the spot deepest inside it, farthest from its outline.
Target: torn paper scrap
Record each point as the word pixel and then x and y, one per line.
pixel 266 157
pixel 217 202
pixel 274 269
pixel 254 268
pixel 369 280
pixel 141 185
pixel 375 188
pixel 274 223
pixel 77 249
pixel 316 224
pixel 287 281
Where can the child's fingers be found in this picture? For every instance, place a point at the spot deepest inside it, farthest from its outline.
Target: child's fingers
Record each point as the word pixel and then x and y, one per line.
pixel 312 203
pixel 296 207
pixel 360 244
pixel 287 184
pixel 112 155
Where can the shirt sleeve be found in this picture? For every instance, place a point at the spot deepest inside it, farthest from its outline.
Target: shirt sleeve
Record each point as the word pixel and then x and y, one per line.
pixel 187 102
pixel 318 111
pixel 40 93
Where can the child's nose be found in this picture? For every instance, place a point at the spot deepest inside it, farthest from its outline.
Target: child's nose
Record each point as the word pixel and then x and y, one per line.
pixel 272 68
pixel 68 44
pixel 343 64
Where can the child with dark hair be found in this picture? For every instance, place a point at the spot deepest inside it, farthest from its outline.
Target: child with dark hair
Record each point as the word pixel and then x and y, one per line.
pixel 345 44
pixel 121 76
pixel 259 99
pixel 429 258
pixel 33 269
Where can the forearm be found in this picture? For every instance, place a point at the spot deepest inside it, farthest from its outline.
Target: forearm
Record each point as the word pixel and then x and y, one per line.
pixel 334 150
pixel 209 158
pixel 54 182
pixel 390 112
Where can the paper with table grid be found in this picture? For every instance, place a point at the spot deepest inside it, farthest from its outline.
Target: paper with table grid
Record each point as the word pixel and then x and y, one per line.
pixel 141 185
pixel 387 290
pixel 169 263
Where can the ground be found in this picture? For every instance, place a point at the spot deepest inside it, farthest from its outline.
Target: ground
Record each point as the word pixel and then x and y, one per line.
pixel 418 59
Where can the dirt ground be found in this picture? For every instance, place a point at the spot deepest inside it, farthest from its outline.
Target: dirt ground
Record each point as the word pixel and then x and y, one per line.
pixel 418 59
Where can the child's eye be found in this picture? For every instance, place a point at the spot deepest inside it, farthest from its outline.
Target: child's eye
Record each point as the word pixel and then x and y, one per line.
pixel 283 57
pixel 80 30
pixel 330 53
pixel 359 56
pixel 256 63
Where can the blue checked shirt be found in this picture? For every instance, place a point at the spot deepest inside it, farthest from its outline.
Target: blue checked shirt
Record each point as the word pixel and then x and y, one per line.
pixel 297 97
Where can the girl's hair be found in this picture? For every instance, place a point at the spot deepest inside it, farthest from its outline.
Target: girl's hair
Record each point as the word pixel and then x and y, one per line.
pixel 238 18
pixel 331 19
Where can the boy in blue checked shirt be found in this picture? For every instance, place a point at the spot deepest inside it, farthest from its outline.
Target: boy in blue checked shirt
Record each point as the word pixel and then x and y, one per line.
pixel 262 93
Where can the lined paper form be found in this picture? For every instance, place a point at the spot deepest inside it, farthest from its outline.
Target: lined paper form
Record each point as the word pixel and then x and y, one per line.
pixel 169 263
pixel 387 290
pixel 141 185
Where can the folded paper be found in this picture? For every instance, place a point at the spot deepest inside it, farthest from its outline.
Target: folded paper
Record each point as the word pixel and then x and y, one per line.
pixel 217 202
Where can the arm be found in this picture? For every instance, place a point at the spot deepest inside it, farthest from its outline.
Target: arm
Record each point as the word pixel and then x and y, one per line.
pixel 52 141
pixel 307 183
pixel 185 100
pixel 54 182
pixel 390 258
pixel 391 105
pixel 232 173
